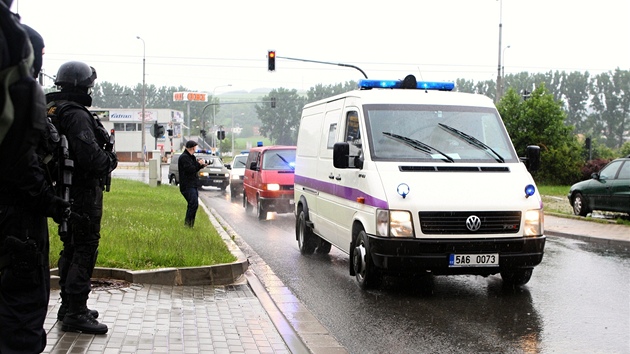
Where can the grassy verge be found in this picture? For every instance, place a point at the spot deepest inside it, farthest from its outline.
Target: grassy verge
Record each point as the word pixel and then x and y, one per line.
pixel 143 228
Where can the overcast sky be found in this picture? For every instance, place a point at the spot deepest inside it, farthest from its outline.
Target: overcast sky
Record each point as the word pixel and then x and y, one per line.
pixel 206 44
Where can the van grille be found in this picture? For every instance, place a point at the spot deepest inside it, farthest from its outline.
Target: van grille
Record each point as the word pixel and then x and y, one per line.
pixel 491 222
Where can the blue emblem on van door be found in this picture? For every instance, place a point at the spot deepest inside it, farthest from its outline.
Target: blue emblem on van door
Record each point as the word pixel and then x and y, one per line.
pixel 403 189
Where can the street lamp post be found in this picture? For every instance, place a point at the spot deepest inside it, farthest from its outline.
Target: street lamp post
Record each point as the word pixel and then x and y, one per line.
pixel 496 98
pixel 214 112
pixel 142 148
pixel 503 72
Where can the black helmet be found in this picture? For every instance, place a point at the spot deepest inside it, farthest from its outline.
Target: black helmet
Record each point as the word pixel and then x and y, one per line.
pixel 75 73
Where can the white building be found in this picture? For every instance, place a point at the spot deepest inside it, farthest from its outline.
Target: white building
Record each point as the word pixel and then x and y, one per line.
pixel 127 125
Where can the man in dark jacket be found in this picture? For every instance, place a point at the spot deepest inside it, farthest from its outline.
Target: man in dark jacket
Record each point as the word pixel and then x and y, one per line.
pixel 92 164
pixel 188 166
pixel 25 196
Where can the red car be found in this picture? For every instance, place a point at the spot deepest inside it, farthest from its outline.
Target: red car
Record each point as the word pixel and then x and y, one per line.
pixel 268 180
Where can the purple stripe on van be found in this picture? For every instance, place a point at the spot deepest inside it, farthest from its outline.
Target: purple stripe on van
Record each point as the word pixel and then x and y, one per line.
pixel 340 191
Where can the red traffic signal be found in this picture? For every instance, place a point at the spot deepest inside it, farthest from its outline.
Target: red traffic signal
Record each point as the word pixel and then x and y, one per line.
pixel 271 60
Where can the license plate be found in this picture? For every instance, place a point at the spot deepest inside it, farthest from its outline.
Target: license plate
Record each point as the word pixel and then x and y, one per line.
pixel 217 181
pixel 474 260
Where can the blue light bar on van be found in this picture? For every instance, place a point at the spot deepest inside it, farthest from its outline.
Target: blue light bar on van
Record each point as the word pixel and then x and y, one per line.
pixel 423 85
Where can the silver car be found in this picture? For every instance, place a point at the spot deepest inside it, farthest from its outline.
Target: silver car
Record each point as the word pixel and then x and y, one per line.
pixel 215 174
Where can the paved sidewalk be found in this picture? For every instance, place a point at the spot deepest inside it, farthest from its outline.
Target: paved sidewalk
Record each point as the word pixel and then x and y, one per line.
pixel 145 318
pixel 581 228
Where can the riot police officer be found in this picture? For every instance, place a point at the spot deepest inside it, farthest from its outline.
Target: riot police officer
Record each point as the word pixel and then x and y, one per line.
pixel 25 196
pixel 86 138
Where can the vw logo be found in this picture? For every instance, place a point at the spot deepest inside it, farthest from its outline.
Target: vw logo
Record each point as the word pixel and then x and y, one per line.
pixel 473 223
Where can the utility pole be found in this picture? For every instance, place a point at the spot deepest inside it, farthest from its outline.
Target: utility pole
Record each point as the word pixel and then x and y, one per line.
pixel 142 133
pixel 497 96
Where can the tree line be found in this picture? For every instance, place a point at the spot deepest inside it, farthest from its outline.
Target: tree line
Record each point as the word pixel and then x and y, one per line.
pixel 555 110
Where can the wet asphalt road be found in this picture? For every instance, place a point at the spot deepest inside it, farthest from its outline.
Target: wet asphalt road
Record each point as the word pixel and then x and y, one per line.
pixel 577 301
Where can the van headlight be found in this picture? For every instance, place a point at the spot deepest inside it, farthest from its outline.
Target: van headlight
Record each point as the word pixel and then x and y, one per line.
pixel 534 220
pixel 273 187
pixel 394 223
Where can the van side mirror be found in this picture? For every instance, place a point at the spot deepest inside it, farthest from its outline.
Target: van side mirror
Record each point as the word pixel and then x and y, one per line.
pixel 532 158
pixel 341 151
pixel 252 166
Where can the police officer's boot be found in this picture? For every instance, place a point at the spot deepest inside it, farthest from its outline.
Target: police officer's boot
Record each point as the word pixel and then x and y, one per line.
pixel 63 309
pixel 78 318
pixel 189 222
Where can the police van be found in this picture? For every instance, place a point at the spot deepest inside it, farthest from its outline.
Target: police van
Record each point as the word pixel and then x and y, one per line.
pixel 407 177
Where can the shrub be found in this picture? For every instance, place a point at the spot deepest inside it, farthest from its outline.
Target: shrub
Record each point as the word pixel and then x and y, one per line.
pixel 593 166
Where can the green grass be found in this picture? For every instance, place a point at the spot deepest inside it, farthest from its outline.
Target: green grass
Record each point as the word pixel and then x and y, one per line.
pixel 143 228
pixel 556 191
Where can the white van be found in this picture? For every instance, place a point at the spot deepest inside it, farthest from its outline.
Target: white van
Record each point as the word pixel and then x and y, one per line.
pixel 406 177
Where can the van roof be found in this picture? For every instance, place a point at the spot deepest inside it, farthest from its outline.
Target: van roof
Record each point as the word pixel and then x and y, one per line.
pixel 402 96
pixel 272 147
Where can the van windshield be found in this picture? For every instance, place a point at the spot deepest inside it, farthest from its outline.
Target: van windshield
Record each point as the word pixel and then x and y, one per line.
pixel 279 160
pixel 438 133
pixel 239 162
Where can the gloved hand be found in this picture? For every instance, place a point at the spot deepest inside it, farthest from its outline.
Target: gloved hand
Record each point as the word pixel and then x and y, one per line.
pixel 58 209
pixel 113 160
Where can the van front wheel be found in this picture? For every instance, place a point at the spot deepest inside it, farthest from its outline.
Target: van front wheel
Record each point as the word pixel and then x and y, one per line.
pixel 306 238
pixel 365 271
pixel 261 212
pixel 246 204
pixel 516 277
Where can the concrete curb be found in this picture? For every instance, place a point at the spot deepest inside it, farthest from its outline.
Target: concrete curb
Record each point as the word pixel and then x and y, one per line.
pixel 219 274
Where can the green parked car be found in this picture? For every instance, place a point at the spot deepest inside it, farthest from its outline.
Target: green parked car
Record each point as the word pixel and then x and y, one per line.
pixel 607 190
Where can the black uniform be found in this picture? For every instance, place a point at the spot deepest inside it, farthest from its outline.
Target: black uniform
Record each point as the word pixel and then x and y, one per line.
pixel 92 164
pixel 25 200
pixel 188 166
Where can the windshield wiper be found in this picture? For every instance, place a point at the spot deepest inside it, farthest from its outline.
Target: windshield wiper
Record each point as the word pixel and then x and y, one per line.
pixel 473 141
pixel 418 145
pixel 285 161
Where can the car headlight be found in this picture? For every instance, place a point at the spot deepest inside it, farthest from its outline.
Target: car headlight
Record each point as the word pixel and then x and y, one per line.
pixel 394 223
pixel 273 187
pixel 203 174
pixel 534 220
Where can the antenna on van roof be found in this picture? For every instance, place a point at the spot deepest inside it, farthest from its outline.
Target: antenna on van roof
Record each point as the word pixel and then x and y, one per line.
pixel 420 73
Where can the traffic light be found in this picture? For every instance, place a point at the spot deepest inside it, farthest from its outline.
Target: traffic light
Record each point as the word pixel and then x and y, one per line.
pixel 170 132
pixel 220 134
pixel 271 60
pixel 203 133
pixel 159 131
pixel 273 102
